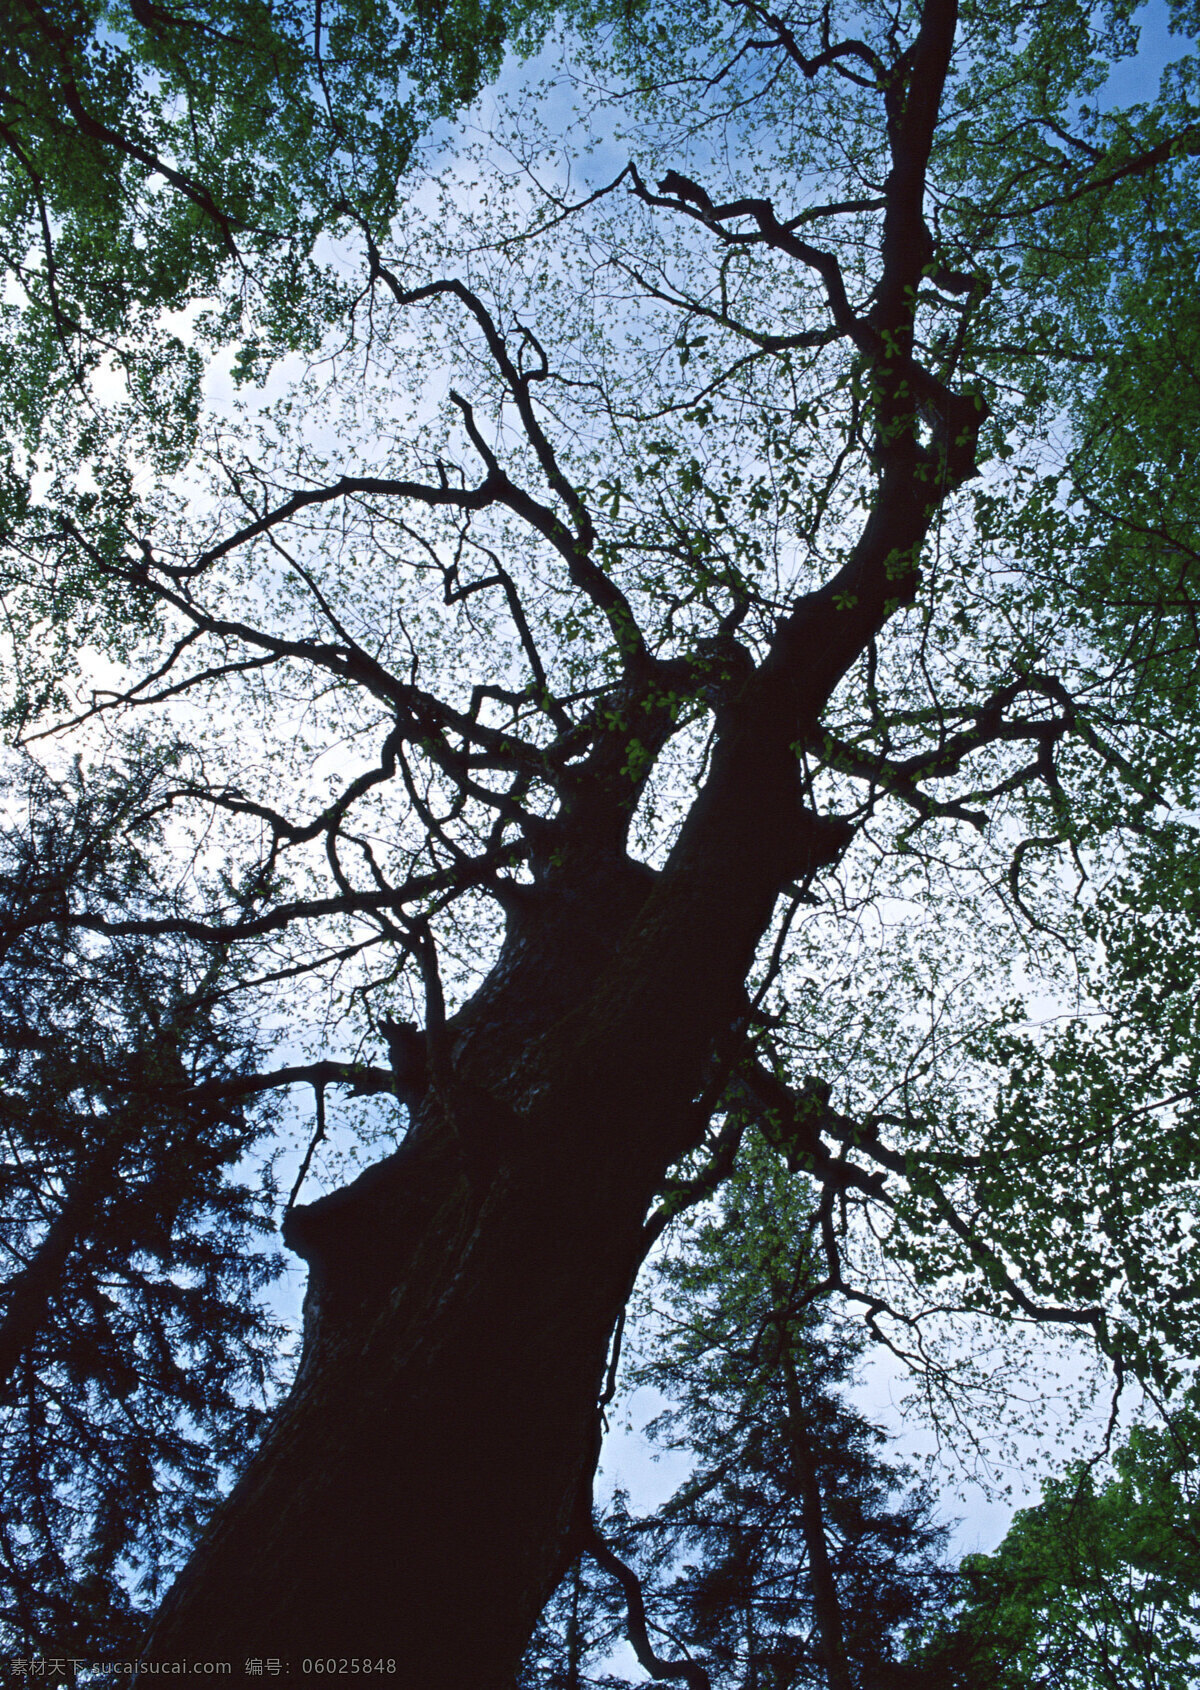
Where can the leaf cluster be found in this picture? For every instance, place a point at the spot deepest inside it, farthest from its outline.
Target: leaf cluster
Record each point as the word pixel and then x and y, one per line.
pixel 1098 1583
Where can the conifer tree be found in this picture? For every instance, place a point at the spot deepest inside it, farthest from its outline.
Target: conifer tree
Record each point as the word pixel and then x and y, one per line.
pixel 138 1353
pixel 795 1553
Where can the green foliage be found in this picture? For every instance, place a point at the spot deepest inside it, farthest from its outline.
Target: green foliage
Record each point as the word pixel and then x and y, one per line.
pixel 174 183
pixel 1091 220
pixel 1098 1584
pixel 150 154
pixel 1084 1160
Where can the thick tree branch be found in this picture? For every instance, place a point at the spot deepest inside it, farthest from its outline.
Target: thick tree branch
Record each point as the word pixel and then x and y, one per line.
pixel 575 547
pixel 691 1672
pixel 833 55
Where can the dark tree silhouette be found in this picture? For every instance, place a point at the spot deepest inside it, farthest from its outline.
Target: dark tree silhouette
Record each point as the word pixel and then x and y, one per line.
pixel 136 1356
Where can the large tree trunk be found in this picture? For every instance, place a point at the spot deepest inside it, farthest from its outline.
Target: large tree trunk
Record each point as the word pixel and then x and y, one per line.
pixel 418 1493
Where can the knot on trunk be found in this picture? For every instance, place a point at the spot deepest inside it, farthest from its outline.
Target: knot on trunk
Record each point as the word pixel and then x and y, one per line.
pixel 408 1055
pixel 820 842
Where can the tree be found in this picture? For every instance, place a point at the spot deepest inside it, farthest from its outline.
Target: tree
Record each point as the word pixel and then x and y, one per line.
pixel 710 709
pixel 135 1348
pixel 794 1553
pixel 1095 1585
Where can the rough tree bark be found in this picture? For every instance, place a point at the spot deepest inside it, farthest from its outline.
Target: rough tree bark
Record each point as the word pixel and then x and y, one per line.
pixel 421 1490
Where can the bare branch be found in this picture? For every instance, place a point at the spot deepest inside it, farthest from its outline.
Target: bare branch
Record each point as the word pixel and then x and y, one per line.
pixel 576 548
pixel 691 1672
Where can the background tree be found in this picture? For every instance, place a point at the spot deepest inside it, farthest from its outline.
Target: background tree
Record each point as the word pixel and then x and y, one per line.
pixel 709 706
pixel 794 1553
pixel 137 1353
pixel 1096 1585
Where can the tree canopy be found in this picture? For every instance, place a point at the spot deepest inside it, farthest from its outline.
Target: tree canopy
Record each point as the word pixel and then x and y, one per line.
pixel 687 623
pixel 1097 1584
